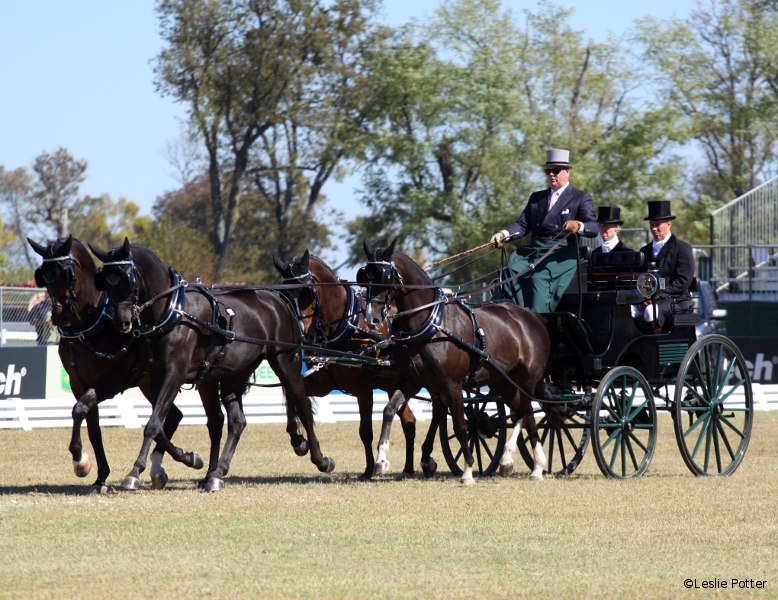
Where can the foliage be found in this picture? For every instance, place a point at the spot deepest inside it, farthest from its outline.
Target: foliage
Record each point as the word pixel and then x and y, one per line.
pixel 470 104
pixel 718 68
pixel 275 92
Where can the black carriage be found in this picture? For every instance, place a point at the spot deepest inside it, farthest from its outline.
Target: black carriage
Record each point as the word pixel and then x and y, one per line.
pixel 608 377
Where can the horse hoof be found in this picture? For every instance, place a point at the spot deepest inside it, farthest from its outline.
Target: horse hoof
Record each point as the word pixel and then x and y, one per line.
pixel 302 449
pixel 429 468
pixel 83 466
pixel 327 466
pixel 506 470
pixel 213 484
pixel 194 460
pixel 159 480
pixel 467 482
pixel 130 483
pixel 100 489
pixel 366 476
pixel 536 476
pixel 381 468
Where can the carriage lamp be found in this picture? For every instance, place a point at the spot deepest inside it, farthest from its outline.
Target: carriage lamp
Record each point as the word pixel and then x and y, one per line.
pixel 648 284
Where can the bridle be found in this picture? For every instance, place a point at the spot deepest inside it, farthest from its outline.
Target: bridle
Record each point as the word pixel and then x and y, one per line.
pixel 379 273
pixel 45 277
pixel 121 273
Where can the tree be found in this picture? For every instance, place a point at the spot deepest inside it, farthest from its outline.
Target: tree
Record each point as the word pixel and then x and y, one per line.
pixel 59 177
pixel 718 67
pixel 276 94
pixel 469 110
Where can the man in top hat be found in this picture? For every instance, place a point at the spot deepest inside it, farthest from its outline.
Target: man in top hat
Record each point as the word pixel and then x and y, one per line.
pixel 673 259
pixel 609 222
pixel 554 217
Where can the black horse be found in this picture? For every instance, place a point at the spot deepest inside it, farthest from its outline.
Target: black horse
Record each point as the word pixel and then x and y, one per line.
pixel 444 345
pixel 215 338
pixel 332 315
pixel 100 363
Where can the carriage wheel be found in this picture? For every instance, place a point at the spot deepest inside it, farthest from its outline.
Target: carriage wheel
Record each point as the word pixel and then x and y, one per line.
pixel 624 424
pixel 564 435
pixel 713 407
pixel 485 419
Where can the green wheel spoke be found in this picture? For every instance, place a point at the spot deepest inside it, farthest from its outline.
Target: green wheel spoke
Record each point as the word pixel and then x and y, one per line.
pixel 726 421
pixel 637 442
pixel 614 456
pixel 636 410
pixel 705 420
pixel 696 423
pixel 722 436
pixel 722 396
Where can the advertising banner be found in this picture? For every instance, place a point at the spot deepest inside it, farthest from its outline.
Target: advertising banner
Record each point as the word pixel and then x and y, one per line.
pixel 761 356
pixel 23 372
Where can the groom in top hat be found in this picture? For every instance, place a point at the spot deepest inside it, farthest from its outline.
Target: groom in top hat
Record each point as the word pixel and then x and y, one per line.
pixel 673 259
pixel 555 217
pixel 609 222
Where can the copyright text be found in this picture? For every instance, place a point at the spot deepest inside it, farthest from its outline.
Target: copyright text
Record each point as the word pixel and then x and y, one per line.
pixel 724 584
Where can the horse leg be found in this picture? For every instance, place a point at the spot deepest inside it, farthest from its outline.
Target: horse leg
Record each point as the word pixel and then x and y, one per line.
pixel 528 417
pixel 158 475
pixel 288 372
pixel 408 421
pixel 294 428
pixel 85 403
pixel 459 427
pixel 428 464
pixel 153 431
pixel 232 395
pixel 390 410
pixel 209 396
pixel 96 439
pixel 506 460
pixel 365 404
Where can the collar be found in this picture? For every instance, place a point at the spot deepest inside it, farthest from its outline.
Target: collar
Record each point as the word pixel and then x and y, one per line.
pixel 658 245
pixel 559 191
pixel 608 246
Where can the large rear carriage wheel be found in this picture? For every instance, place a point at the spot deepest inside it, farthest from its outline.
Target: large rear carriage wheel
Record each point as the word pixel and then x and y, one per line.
pixel 713 406
pixel 624 424
pixel 485 419
pixel 564 435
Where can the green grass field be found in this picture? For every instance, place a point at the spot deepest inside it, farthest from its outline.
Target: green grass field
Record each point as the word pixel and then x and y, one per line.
pixel 282 530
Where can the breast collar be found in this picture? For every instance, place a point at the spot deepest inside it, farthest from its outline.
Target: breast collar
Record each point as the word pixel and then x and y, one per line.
pixel 430 327
pixel 349 322
pixel 100 316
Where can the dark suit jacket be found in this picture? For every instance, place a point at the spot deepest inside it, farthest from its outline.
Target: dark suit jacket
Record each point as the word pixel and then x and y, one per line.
pixel 573 204
pixel 620 247
pixel 676 264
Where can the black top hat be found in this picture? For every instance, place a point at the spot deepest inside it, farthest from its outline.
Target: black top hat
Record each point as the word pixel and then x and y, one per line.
pixel 609 215
pixel 659 210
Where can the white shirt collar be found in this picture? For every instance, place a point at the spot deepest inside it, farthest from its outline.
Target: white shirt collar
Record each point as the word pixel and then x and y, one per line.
pixel 559 191
pixel 657 245
pixel 610 245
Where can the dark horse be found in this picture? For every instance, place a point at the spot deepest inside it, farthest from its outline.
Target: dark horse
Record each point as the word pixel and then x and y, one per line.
pixel 99 362
pixel 445 345
pixel 332 315
pixel 217 338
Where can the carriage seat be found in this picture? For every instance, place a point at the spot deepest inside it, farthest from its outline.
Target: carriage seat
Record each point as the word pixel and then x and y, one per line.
pixel 615 262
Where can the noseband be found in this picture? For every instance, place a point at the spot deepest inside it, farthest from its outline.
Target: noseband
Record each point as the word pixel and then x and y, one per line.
pixel 121 271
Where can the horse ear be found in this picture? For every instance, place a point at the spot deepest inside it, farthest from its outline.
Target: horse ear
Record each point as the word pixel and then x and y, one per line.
pixel 305 259
pixel 100 254
pixel 387 254
pixel 67 245
pixel 39 277
pixel 278 263
pixel 368 248
pixel 126 245
pixel 39 249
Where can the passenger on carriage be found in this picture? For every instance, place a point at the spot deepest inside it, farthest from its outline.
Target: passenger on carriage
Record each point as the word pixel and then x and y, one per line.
pixel 555 217
pixel 609 222
pixel 674 260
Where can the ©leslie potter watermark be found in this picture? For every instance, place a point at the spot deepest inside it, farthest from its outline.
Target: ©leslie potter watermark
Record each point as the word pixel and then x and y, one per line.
pixel 724 584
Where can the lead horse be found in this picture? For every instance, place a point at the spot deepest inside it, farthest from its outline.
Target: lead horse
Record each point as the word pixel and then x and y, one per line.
pixel 445 345
pixel 216 338
pixel 332 316
pixel 99 363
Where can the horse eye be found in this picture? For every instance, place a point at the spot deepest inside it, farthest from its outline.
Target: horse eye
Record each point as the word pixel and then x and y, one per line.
pixel 113 278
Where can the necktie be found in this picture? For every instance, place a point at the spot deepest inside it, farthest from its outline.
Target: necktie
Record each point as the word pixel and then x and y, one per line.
pixel 552 199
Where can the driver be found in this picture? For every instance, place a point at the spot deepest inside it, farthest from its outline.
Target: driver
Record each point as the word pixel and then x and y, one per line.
pixel 556 214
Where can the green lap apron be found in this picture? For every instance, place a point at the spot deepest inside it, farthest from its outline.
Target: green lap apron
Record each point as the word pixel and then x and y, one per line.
pixel 542 288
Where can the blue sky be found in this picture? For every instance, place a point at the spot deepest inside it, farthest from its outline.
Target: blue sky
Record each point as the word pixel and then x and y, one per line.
pixel 78 74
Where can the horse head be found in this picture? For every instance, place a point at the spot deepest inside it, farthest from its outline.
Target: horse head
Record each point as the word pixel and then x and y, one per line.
pixel 390 277
pixel 67 273
pixel 131 275
pixel 322 299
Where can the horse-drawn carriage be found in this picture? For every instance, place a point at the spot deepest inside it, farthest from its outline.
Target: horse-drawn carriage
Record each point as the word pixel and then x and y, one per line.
pixel 609 375
pixel 558 380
